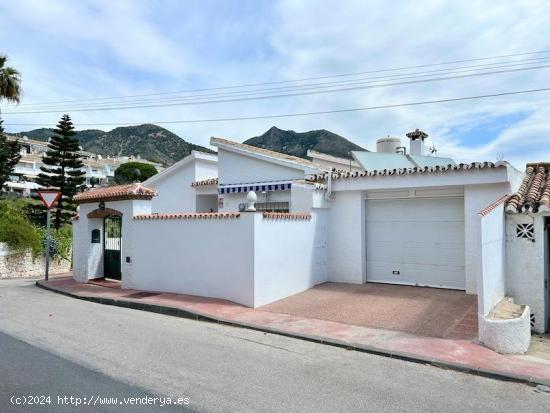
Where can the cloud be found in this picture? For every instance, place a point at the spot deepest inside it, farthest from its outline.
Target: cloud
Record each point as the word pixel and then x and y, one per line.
pixel 72 50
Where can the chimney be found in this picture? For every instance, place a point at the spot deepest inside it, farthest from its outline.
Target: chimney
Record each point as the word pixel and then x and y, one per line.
pixel 417 142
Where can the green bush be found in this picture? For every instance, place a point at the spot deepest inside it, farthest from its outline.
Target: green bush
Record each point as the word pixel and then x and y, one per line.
pixel 60 241
pixel 17 231
pixel 134 171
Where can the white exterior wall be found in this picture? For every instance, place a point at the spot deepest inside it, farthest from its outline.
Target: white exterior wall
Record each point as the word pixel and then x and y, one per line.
pixel 205 169
pixel 129 209
pixel 477 197
pixel 78 251
pixel 346 227
pixel 204 257
pixel 346 235
pixel 525 270
pixel 249 260
pixel 301 196
pixel 286 265
pixel 491 285
pixel 175 193
pixel 88 257
pixel 239 169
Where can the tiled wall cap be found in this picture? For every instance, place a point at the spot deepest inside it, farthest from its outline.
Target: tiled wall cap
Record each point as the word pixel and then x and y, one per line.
pixel 296 216
pixel 205 182
pixel 491 207
pixel 407 171
pixel 189 215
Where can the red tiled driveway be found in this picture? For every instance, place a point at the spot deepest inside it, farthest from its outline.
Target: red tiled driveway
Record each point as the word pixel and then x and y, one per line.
pixel 417 310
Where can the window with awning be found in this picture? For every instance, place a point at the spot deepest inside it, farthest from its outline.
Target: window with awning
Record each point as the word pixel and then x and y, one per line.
pixel 256 187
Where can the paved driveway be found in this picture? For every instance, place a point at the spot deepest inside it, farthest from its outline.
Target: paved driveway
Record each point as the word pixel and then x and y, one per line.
pixel 417 310
pixel 220 368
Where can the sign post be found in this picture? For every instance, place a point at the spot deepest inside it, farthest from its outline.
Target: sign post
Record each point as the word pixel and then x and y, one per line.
pixel 48 198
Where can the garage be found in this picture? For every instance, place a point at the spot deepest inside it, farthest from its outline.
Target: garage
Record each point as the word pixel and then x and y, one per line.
pixel 416 241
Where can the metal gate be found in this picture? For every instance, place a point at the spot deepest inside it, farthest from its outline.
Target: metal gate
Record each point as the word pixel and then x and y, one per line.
pixel 111 246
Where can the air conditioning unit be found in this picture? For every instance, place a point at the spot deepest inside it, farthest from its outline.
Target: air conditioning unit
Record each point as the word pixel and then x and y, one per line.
pixel 242 207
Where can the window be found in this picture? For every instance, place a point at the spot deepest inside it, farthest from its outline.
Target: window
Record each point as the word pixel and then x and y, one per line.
pixel 272 206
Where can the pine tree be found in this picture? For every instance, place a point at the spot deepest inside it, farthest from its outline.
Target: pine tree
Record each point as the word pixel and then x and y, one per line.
pixel 9 156
pixel 64 169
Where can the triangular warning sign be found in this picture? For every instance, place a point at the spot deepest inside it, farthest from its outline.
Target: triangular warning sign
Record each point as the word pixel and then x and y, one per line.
pixel 49 198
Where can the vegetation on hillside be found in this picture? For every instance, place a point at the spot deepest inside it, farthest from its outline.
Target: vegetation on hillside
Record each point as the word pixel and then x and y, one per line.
pixel 150 142
pixel 157 144
pixel 134 171
pixel 298 143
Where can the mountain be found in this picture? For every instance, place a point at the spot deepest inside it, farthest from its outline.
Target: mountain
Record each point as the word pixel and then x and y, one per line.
pixel 151 142
pixel 298 143
pixel 157 144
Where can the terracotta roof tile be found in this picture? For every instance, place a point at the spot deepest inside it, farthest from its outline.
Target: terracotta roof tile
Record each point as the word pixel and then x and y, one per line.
pixel 294 216
pixel 407 171
pixel 533 194
pixel 205 182
pixel 115 193
pixel 189 215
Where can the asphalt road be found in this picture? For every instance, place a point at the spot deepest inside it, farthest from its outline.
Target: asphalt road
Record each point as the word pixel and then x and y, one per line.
pixel 59 346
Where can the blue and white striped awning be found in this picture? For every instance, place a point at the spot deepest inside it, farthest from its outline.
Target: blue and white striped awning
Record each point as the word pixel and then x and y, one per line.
pixel 256 187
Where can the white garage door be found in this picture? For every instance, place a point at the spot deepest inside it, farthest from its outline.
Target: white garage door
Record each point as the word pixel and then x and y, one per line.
pixel 416 241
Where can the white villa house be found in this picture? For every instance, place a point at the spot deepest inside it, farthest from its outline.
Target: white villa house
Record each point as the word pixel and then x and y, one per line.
pixel 254 226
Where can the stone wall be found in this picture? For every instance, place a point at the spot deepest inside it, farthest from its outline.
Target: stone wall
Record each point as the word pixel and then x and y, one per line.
pixel 19 265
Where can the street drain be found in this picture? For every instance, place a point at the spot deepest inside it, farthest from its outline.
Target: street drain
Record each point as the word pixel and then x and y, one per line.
pixel 141 295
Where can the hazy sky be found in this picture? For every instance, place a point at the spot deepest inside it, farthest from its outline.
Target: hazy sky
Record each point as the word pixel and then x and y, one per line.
pixel 70 50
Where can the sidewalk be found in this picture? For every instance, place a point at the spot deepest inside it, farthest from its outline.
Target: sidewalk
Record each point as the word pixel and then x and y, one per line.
pixel 456 354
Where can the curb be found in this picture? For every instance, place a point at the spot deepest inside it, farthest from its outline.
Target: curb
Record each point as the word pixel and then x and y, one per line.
pixel 405 356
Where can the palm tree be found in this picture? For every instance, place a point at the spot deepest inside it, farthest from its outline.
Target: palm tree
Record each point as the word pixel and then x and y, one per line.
pixel 10 82
pixel 10 89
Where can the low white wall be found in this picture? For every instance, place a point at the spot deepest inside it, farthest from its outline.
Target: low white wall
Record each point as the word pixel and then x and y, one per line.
pixel 23 264
pixel 289 256
pixel 477 197
pixel 204 257
pixel 252 260
pixel 491 284
pixel 525 265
